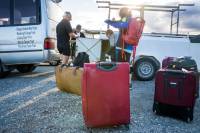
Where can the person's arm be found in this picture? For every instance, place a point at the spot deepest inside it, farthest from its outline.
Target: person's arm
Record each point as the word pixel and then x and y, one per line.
pixel 117 24
pixel 72 35
pixel 70 31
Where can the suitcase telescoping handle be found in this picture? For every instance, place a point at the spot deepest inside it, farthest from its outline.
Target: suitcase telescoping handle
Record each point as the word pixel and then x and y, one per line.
pixel 106 66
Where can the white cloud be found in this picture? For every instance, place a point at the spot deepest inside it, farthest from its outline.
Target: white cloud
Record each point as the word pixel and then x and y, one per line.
pixel 86 13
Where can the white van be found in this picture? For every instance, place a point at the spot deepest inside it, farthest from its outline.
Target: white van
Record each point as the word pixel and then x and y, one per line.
pixel 27 34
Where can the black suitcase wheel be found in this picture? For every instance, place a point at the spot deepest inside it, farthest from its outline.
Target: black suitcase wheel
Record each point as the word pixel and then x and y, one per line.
pixel 156 108
pixel 89 129
pixel 127 127
pixel 189 119
pixel 189 115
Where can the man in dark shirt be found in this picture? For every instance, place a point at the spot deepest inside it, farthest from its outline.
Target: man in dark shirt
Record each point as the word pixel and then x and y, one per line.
pixel 78 32
pixel 64 33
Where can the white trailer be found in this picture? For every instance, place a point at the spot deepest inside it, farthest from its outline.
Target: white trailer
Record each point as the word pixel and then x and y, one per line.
pixel 27 34
pixel 153 48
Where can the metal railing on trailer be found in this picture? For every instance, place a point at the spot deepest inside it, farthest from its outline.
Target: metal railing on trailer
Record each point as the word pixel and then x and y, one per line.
pixel 142 8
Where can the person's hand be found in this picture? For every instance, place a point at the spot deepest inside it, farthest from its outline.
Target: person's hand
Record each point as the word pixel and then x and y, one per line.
pixel 107 21
pixel 76 36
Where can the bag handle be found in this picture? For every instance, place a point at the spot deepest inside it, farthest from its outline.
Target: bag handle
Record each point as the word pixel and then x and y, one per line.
pixel 106 66
pixel 67 66
pixel 63 66
pixel 75 69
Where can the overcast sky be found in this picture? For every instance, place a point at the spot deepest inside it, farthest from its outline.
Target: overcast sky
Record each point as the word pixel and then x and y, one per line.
pixel 87 13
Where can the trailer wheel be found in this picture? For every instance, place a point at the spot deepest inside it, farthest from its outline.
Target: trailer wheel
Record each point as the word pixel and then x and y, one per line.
pixel 144 69
pixel 26 68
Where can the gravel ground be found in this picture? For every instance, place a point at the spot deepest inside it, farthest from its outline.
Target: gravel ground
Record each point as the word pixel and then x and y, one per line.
pixel 32 103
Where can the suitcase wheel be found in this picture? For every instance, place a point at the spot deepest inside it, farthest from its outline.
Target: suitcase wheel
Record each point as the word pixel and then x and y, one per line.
pixel 189 115
pixel 156 108
pixel 189 119
pixel 127 127
pixel 89 129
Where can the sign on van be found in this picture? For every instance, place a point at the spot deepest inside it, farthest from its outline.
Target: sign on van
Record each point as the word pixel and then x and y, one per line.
pixel 25 36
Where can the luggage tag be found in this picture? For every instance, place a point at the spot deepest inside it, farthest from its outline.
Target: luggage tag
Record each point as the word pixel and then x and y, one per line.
pixel 184 70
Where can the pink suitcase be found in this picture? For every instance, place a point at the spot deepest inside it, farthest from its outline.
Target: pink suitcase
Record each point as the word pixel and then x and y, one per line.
pixel 105 94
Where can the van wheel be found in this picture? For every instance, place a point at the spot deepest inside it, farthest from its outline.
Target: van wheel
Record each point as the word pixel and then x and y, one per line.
pixel 26 68
pixel 4 74
pixel 144 69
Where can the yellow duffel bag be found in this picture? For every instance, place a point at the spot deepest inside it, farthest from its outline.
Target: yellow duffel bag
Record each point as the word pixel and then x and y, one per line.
pixel 68 79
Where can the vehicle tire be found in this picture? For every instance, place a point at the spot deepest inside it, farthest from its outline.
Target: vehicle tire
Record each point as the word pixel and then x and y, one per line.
pixel 144 69
pixel 4 74
pixel 26 68
pixel 54 63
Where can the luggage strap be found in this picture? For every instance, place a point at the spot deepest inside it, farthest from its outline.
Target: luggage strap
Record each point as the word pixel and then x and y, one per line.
pixel 134 52
pixel 123 43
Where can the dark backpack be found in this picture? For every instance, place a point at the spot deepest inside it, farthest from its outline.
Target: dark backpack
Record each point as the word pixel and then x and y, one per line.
pixel 80 59
pixel 183 62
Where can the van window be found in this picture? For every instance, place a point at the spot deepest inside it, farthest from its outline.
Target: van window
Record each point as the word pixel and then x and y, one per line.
pixel 19 12
pixel 4 12
pixel 195 39
pixel 25 12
